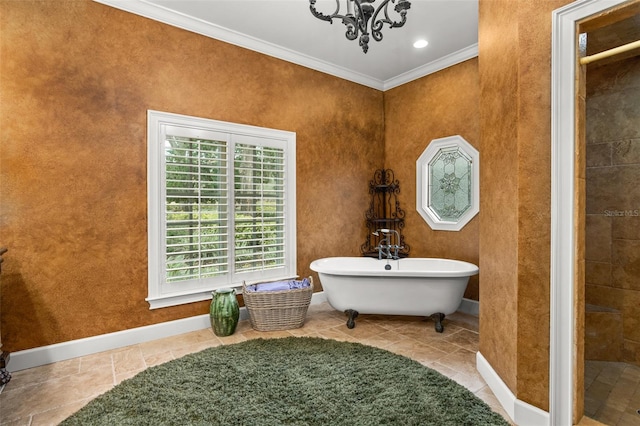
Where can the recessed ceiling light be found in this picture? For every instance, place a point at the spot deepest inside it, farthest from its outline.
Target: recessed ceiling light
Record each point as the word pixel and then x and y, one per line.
pixel 420 44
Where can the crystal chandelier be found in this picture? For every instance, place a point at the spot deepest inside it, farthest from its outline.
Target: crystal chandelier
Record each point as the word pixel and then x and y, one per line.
pixel 359 13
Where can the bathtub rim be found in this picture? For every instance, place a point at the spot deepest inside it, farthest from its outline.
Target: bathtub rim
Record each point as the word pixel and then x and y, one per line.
pixel 467 269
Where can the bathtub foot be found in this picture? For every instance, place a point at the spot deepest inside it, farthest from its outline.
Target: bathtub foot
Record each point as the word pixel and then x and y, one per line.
pixel 352 314
pixel 438 317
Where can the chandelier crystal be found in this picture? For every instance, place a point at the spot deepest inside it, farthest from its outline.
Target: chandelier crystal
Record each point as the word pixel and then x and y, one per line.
pixel 360 13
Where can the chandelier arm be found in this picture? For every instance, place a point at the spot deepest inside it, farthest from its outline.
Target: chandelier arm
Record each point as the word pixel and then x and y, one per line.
pixel 401 8
pixel 352 29
pixel 384 5
pixel 322 16
pixel 394 24
pixel 376 25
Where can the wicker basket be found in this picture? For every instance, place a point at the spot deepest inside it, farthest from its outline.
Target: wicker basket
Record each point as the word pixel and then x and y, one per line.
pixel 277 310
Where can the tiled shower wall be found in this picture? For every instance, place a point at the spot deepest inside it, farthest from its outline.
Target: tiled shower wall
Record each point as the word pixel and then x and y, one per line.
pixel 613 212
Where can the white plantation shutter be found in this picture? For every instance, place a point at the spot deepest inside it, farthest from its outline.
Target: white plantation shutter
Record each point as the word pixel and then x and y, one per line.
pixel 259 207
pixel 221 206
pixel 196 213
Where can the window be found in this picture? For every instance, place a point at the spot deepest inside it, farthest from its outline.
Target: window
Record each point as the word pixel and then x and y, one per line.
pixel 448 184
pixel 221 206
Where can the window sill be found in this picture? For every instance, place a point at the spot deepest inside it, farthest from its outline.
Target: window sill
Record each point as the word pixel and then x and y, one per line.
pixel 180 299
pixel 200 295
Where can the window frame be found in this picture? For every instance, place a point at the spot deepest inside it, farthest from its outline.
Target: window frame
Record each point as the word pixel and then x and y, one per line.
pixel 162 294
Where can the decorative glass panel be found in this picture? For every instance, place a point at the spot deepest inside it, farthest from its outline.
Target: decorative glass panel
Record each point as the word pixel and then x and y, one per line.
pixel 447 183
pixel 450 188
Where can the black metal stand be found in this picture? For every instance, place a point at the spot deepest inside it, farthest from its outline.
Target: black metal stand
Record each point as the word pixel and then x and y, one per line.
pixel 384 212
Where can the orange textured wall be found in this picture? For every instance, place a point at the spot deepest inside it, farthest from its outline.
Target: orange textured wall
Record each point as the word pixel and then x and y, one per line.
pixel 515 105
pixel 77 79
pixel 499 186
pixel 436 106
pixel 534 199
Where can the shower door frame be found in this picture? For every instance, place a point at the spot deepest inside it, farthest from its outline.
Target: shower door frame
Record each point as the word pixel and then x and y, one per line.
pixel 564 75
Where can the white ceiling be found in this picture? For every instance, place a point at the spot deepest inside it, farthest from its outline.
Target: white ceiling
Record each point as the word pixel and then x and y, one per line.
pixel 286 29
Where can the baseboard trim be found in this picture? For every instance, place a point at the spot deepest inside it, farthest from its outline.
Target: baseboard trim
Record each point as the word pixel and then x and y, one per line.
pixel 520 412
pixel 29 358
pixel 471 307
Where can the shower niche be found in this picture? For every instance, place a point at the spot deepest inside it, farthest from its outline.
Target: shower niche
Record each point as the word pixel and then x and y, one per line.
pixel 384 212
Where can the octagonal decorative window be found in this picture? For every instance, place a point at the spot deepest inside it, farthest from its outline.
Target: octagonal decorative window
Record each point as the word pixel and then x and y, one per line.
pixel 448 191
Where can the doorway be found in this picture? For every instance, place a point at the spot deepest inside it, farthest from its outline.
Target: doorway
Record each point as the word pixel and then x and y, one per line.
pixel 612 222
pixel 568 209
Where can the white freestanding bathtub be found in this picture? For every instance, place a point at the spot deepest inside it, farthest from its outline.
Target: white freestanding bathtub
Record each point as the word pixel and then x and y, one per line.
pixel 410 286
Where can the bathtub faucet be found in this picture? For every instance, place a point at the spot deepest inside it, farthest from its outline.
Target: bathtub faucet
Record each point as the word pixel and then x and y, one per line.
pixel 385 247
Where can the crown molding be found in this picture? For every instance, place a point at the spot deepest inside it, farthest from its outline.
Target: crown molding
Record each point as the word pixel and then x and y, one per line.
pixel 207 29
pixel 454 58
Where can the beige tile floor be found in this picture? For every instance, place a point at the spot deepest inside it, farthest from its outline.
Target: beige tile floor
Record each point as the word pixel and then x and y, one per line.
pixel 46 395
pixel 612 393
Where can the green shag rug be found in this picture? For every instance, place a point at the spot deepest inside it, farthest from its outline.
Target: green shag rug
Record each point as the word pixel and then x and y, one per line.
pixel 294 380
